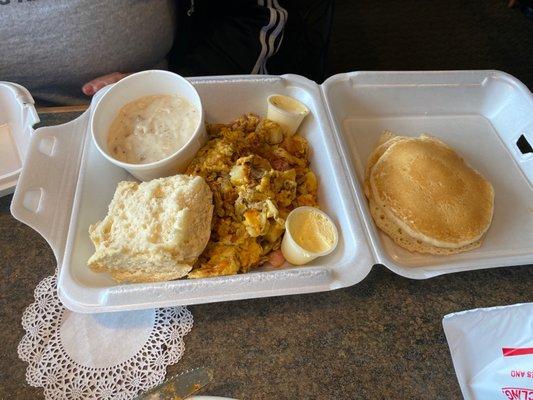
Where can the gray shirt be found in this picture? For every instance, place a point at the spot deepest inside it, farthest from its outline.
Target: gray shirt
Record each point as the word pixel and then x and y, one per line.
pixel 53 47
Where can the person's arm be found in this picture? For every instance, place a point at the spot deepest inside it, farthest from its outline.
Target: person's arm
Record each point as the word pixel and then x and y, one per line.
pixel 229 37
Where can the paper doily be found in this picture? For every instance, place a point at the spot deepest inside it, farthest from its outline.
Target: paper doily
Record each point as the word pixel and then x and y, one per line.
pixel 98 356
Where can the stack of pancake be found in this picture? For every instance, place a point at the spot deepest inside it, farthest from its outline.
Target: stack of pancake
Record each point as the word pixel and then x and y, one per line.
pixel 426 197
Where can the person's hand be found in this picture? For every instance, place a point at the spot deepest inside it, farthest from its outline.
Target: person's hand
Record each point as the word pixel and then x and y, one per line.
pixel 95 85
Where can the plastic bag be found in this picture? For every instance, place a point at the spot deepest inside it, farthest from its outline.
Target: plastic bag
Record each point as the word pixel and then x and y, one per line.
pixel 492 351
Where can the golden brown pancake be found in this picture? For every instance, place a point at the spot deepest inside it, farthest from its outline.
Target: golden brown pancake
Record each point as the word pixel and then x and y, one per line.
pixel 402 238
pixel 386 140
pixel 428 192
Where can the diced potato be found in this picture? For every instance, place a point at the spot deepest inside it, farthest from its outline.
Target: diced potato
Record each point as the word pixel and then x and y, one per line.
pixel 270 131
pixel 255 222
pixel 309 184
pixel 238 175
pixel 275 231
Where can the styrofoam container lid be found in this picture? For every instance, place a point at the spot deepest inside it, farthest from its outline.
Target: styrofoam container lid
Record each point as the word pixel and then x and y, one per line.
pixel 17 117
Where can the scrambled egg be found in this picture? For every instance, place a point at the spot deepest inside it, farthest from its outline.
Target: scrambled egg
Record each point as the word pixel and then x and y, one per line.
pixel 257 176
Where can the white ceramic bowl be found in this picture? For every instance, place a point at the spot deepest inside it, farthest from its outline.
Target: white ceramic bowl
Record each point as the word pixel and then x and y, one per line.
pixel 138 85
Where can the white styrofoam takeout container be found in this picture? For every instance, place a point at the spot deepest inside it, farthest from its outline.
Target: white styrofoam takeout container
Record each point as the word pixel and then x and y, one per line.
pixel 66 184
pixel 17 117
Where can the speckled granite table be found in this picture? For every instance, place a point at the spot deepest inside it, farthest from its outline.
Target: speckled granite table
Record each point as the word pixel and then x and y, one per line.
pixel 379 339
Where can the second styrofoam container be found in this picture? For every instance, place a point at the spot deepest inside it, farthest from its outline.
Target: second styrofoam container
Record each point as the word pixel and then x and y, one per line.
pixel 17 117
